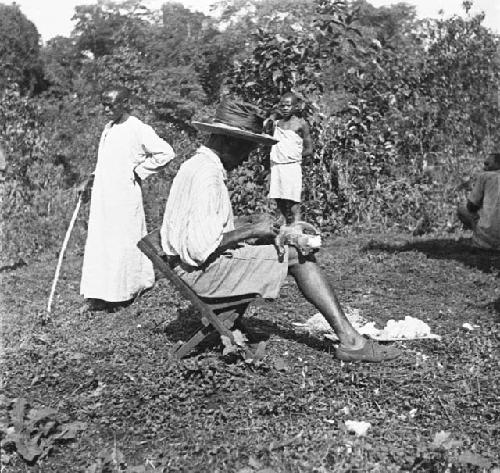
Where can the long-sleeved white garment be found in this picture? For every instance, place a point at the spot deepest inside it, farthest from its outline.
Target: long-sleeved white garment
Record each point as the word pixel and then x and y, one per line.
pixel 114 269
pixel 198 209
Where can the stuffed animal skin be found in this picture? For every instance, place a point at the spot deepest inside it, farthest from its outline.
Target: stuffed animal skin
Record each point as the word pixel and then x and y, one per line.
pixel 294 235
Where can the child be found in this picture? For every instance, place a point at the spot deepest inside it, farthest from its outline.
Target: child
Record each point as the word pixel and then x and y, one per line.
pixel 286 157
pixel 482 211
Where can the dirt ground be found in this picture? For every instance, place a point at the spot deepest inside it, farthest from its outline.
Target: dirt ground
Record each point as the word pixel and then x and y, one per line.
pixel 434 410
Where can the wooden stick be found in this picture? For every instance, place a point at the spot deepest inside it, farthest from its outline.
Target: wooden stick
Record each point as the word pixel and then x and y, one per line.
pixel 61 254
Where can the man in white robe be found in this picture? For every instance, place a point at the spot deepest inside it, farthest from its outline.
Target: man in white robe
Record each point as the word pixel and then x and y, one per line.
pixel 114 269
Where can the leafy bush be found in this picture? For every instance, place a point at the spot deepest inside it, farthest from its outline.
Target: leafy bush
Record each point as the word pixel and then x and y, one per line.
pixel 401 110
pixel 394 112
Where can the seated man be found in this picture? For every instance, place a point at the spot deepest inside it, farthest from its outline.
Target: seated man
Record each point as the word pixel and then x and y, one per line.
pixel 482 211
pixel 212 256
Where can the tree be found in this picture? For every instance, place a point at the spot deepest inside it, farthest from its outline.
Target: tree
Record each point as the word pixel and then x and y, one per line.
pixel 107 25
pixel 62 64
pixel 19 50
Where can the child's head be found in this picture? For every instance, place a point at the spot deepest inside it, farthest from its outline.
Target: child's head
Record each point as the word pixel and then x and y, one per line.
pixel 288 104
pixel 492 162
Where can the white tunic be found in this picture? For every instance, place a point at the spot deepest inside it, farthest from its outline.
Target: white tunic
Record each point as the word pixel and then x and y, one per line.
pixel 114 269
pixel 286 166
pixel 197 215
pixel 198 210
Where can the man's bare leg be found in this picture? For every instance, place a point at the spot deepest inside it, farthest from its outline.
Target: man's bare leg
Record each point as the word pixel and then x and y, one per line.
pixel 316 288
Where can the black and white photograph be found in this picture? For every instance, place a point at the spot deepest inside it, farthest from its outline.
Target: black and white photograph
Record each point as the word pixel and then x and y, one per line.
pixel 250 236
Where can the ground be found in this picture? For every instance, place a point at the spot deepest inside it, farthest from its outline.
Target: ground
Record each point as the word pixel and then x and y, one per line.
pixel 434 410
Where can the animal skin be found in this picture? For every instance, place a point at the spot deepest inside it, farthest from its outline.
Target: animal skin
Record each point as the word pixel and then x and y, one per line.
pixel 294 235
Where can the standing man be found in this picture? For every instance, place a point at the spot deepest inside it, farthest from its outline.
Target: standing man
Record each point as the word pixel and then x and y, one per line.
pixel 481 213
pixel 210 254
pixel 114 269
pixel 294 143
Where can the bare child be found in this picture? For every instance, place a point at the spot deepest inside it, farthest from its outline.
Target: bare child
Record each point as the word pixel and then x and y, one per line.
pixel 294 143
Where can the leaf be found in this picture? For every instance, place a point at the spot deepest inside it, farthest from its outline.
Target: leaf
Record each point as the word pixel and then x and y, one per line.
pixel 443 439
pixel 277 75
pixel 280 364
pixel 98 391
pixel 27 449
pixel 254 463
pixel 229 347
pixel 261 350
pixel 239 338
pixel 36 415
pixel 17 414
pixel 475 459
pixel 47 428
pixel 70 430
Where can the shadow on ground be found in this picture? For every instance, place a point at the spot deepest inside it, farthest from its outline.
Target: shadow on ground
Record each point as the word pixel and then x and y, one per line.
pixel 495 305
pixel 459 250
pixel 255 329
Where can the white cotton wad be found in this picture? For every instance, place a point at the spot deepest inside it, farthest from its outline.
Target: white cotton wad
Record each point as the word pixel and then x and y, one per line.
pixel 409 328
pixel 360 428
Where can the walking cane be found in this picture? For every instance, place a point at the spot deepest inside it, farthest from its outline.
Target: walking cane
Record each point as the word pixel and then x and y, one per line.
pixel 61 254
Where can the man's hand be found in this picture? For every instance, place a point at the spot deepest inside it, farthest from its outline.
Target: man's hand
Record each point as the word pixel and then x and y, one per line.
pixel 269 126
pixel 262 226
pixel 84 188
pixel 266 227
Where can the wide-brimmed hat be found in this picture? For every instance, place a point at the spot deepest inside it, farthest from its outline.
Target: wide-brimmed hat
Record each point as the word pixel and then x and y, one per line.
pixel 238 119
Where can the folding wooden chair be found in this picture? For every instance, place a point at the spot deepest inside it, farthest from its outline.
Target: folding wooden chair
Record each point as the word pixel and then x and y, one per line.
pixel 217 315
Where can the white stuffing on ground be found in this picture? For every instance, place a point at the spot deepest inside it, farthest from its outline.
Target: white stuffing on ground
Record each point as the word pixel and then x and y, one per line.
pixel 407 329
pixel 360 428
pixel 469 326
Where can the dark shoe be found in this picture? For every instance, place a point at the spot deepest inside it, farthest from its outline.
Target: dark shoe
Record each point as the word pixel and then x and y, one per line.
pixel 371 352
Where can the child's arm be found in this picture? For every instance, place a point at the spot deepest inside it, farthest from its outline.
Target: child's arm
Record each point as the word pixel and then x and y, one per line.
pixel 307 146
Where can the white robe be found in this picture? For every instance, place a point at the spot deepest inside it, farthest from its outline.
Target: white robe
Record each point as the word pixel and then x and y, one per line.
pixel 114 269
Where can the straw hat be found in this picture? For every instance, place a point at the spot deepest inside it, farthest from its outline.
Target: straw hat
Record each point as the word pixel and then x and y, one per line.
pixel 237 119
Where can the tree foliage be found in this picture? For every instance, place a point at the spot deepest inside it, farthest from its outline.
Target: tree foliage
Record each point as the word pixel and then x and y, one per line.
pixel 388 98
pixel 401 110
pixel 19 49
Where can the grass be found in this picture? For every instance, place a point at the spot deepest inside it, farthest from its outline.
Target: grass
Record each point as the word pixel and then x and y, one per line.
pixel 207 414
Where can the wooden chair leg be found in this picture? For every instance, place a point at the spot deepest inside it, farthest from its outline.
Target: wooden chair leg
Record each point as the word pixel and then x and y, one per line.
pixel 226 319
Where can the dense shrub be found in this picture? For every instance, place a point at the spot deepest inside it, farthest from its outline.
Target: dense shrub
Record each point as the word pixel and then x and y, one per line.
pixel 400 117
pixel 401 110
